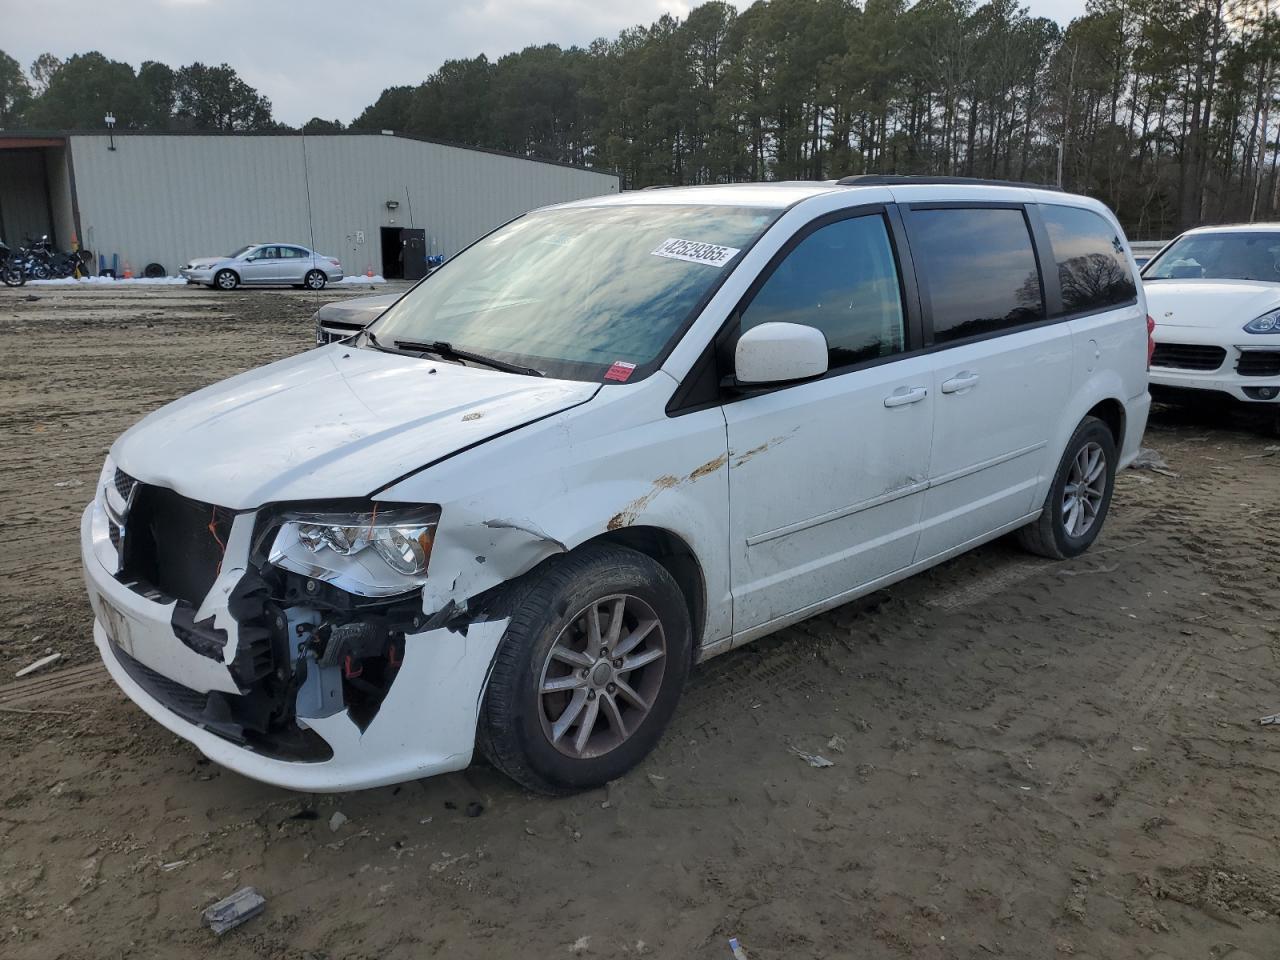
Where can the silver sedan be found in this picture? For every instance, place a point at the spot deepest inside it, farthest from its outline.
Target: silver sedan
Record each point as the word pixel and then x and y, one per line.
pixel 265 264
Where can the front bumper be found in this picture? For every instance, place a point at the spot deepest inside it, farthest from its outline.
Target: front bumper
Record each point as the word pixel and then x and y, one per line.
pixel 1249 371
pixel 425 726
pixel 197 275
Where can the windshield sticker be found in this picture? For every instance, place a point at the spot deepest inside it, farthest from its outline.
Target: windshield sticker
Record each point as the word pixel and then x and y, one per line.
pixel 620 371
pixel 692 251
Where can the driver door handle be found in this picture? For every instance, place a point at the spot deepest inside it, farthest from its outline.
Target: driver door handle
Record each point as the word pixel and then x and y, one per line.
pixel 961 381
pixel 904 395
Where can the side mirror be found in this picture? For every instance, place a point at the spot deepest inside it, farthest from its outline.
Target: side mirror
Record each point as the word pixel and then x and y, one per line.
pixel 779 353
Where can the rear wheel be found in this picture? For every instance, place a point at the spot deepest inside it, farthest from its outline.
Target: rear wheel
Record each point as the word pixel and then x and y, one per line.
pixel 11 274
pixel 1076 505
pixel 315 280
pixel 589 672
pixel 226 280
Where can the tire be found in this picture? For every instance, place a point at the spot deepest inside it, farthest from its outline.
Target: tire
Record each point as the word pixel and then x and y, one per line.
pixel 519 718
pixel 12 275
pixel 226 280
pixel 315 280
pixel 1050 535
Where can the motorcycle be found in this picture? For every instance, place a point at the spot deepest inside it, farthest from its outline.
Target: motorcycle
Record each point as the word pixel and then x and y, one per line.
pixel 11 272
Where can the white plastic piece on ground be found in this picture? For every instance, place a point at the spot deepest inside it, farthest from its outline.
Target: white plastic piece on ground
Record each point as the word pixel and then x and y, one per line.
pixel 42 662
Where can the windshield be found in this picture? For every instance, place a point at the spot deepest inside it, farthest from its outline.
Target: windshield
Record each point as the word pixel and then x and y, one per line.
pixel 586 293
pixel 235 253
pixel 1219 256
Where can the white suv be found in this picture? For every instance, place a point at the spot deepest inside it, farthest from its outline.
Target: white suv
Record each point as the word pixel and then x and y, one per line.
pixel 1214 294
pixel 611 439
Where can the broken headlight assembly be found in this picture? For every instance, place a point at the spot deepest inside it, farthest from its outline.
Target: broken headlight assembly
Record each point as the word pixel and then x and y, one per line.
pixel 379 552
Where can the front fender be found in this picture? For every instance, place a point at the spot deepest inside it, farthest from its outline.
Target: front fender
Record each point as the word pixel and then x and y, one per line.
pixel 545 489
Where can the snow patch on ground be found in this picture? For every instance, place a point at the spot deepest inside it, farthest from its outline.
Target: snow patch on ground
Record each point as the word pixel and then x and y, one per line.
pixel 162 281
pixel 105 281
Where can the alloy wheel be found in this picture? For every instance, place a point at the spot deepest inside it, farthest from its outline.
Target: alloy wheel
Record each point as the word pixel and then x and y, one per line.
pixel 602 676
pixel 1084 490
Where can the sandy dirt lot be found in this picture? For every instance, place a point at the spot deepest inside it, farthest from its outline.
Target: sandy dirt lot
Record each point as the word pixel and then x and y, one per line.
pixel 1031 759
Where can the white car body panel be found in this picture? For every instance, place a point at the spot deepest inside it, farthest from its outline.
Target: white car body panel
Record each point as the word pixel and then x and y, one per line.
pixel 792 501
pixel 1213 313
pixel 373 417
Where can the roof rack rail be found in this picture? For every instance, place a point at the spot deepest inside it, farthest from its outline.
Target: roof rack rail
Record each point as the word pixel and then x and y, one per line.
pixel 903 180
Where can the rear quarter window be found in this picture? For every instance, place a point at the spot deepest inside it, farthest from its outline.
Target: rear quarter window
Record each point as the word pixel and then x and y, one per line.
pixel 979 267
pixel 1089 253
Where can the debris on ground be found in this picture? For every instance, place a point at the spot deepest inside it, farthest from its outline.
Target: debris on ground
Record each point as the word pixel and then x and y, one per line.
pixel 474 809
pixel 1148 459
pixel 581 945
pixel 812 759
pixel 337 820
pixel 228 913
pixel 1268 720
pixel 42 662
pixel 736 949
pixel 837 743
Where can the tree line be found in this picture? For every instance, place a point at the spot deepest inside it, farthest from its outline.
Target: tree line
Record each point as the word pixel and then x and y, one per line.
pixel 1160 108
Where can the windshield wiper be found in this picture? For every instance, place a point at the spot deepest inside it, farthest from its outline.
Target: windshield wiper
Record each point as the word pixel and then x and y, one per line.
pixel 448 351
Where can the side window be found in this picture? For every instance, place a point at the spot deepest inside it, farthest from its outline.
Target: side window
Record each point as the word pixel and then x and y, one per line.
pixel 979 267
pixel 1092 267
pixel 842 279
pixel 265 253
pixel 292 253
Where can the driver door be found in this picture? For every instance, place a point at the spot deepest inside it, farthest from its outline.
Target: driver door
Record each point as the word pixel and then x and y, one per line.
pixel 827 477
pixel 260 265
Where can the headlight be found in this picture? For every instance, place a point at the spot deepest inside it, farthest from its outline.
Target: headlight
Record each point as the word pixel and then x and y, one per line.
pixel 375 553
pixel 1267 323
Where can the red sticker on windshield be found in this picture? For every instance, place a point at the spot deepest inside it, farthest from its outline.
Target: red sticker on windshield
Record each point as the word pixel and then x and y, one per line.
pixel 620 371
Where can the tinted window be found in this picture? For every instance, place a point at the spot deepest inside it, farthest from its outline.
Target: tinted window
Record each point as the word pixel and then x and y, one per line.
pixel 979 268
pixel 265 253
pixel 1092 267
pixel 290 253
pixel 842 279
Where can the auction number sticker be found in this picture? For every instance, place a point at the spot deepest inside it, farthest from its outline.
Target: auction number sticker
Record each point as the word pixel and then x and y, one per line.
pixel 691 251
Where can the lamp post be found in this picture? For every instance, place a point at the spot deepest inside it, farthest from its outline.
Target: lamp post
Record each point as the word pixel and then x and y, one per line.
pixel 110 121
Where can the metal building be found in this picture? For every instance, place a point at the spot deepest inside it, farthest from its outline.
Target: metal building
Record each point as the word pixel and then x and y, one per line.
pixel 379 202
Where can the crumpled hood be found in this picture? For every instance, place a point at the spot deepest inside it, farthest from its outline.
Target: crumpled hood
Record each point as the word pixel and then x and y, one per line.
pixel 1209 303
pixel 331 422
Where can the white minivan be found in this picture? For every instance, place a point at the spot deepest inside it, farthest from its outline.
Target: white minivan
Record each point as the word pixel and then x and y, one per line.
pixel 611 439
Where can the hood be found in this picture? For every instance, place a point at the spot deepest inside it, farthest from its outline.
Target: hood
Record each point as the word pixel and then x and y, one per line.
pixel 204 261
pixel 331 422
pixel 1209 303
pixel 361 310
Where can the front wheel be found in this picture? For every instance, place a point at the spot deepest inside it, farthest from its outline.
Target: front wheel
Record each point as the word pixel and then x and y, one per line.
pixel 12 275
pixel 315 280
pixel 589 671
pixel 1076 505
pixel 226 280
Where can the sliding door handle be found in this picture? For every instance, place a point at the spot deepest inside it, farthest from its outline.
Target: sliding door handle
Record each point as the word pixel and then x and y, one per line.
pixel 904 395
pixel 961 381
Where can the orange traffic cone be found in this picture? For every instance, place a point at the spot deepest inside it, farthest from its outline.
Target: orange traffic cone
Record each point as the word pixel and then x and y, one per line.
pixel 368 271
pixel 128 271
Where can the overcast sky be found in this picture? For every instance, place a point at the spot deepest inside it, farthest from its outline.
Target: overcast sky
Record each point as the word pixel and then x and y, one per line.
pixel 331 58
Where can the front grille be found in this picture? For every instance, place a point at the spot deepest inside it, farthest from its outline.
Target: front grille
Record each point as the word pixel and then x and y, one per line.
pixel 124 484
pixel 331 331
pixel 175 544
pixel 1188 356
pixel 1259 363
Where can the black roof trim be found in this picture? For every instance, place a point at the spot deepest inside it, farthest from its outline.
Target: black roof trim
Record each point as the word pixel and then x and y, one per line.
pixel 904 180
pixel 27 134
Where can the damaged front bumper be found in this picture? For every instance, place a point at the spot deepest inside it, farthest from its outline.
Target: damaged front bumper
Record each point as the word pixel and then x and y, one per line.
pixel 424 724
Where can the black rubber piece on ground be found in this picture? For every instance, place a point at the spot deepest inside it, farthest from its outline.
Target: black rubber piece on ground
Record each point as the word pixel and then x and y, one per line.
pixel 510 731
pixel 1048 536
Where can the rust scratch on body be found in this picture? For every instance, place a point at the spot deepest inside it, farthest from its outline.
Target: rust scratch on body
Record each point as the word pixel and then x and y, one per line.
pixel 762 448
pixel 628 514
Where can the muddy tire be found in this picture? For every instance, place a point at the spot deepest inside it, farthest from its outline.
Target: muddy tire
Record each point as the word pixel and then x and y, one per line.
pixel 226 280
pixel 1076 506
pixel 589 671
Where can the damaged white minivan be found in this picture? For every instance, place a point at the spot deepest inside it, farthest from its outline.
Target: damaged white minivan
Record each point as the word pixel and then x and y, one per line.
pixel 610 439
